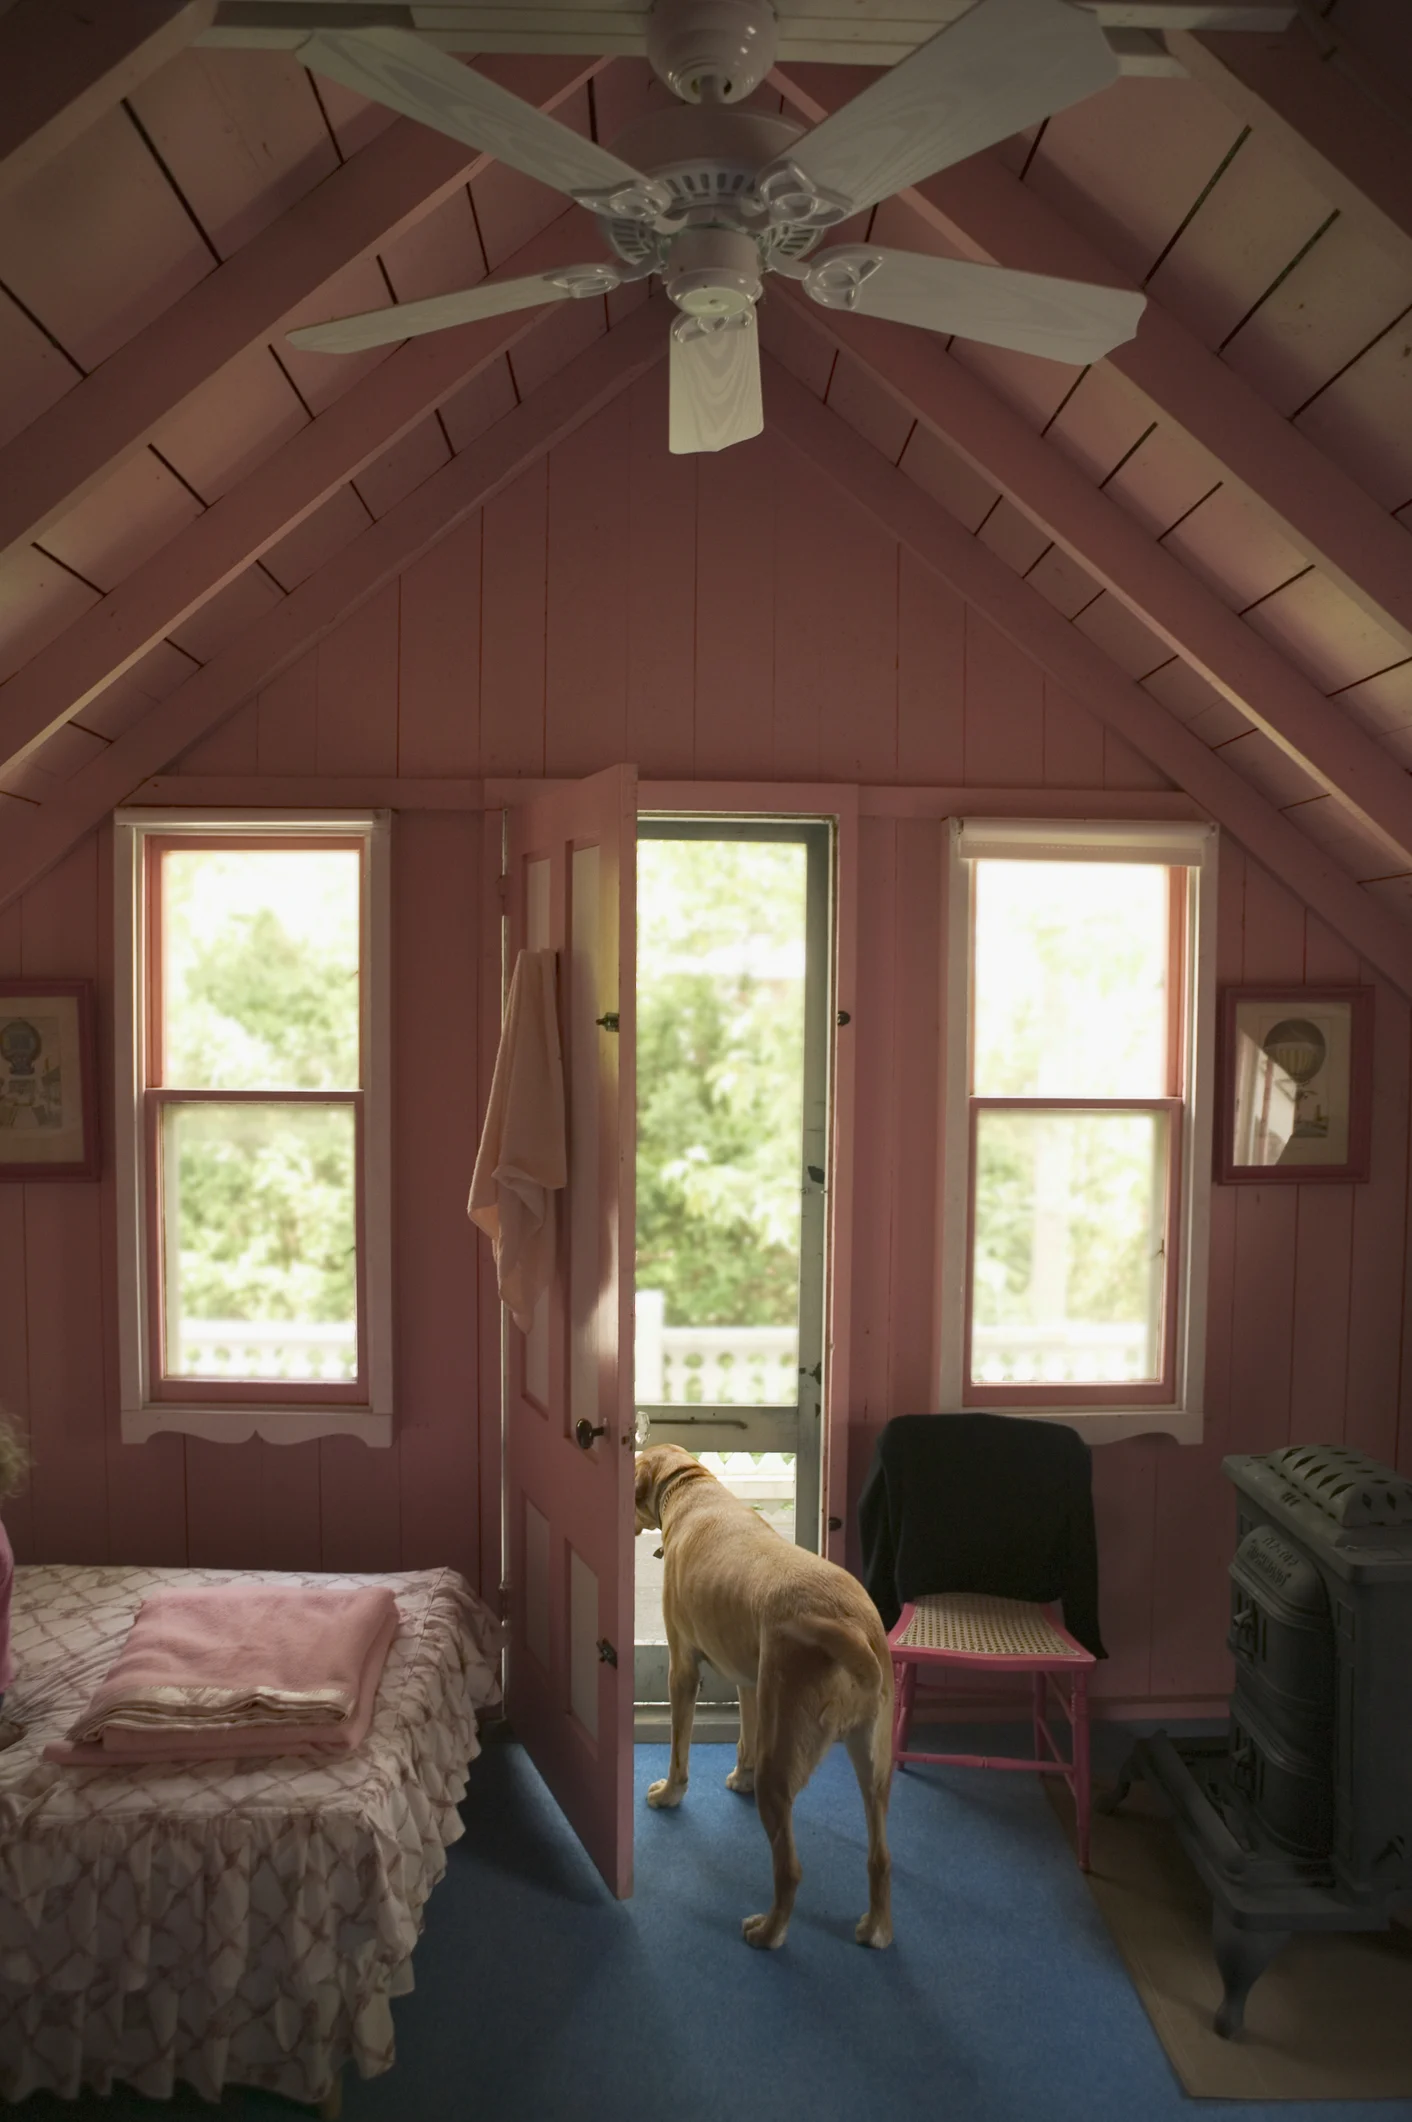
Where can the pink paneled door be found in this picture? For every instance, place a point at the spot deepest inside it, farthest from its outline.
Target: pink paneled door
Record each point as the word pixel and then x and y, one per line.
pixel 572 863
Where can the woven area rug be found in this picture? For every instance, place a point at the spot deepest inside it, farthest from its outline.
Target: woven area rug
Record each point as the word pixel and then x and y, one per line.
pixel 1330 2019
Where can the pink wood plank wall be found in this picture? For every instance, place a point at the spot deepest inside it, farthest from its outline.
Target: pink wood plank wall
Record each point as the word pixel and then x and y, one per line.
pixel 722 618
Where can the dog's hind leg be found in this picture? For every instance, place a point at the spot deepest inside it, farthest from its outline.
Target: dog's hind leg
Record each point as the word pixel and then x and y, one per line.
pixel 774 1801
pixel 742 1776
pixel 683 1686
pixel 870 1751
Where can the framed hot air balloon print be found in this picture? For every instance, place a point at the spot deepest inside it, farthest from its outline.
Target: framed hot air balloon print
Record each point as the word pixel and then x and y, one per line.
pixel 1296 1073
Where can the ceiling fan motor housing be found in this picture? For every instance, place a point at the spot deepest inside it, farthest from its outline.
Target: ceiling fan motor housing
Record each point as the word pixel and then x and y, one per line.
pixel 713 51
pixel 710 161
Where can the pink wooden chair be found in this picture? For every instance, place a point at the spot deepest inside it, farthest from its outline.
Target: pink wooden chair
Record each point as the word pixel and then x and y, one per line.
pixel 976 1632
pixel 974 1527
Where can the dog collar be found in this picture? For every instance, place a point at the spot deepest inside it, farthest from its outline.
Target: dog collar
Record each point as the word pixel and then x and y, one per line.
pixel 671 1482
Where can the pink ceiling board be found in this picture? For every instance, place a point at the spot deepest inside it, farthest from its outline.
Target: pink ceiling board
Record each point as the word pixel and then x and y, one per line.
pixel 35 373
pixel 1335 301
pixel 126 701
pixel 325 531
pixel 438 254
pixel 392 476
pixel 123 522
pixel 242 134
pixel 1382 703
pixel 1167 138
pixel 38 599
pixel 1229 546
pixel 97 244
pixel 1258 215
pixel 1363 417
pixel 1324 633
pixel 939 472
pixel 232 424
pixel 874 412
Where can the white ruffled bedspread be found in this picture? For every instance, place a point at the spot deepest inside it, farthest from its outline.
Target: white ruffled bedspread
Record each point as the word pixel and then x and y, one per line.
pixel 219 1922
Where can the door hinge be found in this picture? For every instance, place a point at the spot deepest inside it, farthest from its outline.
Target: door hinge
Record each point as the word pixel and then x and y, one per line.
pixel 505 1600
pixel 609 1020
pixel 502 887
pixel 606 1653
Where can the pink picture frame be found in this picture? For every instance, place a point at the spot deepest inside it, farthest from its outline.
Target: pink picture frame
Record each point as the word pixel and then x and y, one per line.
pixel 1296 1067
pixel 48 1081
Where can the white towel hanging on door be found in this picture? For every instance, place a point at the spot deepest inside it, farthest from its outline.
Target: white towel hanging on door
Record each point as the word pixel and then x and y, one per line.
pixel 522 1161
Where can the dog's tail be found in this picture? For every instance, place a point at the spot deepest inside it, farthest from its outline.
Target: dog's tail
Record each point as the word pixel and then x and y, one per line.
pixel 845 1643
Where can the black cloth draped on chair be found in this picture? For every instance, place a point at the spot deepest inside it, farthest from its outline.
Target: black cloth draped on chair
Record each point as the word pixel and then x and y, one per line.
pixel 982 1503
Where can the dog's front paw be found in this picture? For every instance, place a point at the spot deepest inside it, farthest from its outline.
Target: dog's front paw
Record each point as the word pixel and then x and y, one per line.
pixel 666 1792
pixel 874 1930
pixel 741 1779
pixel 764 1932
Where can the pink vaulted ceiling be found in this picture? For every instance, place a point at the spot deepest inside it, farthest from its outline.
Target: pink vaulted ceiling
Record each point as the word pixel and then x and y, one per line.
pixel 1223 514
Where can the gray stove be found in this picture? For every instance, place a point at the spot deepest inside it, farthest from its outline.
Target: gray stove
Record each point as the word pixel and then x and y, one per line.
pixel 1300 1818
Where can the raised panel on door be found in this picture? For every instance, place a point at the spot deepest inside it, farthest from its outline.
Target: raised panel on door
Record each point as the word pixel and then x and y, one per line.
pixel 571 865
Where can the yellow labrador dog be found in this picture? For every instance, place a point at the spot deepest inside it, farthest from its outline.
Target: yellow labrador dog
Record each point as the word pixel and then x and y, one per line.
pixel 802 1641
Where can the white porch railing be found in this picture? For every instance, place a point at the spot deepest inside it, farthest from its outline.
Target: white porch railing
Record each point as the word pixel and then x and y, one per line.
pixel 323 1352
pixel 712 1366
pixel 1060 1354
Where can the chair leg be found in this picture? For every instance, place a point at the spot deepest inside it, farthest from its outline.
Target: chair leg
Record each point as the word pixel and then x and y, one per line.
pixel 1083 1788
pixel 904 1678
pixel 1037 1690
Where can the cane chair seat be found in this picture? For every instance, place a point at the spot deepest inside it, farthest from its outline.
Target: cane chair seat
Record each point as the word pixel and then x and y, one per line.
pixel 975 1625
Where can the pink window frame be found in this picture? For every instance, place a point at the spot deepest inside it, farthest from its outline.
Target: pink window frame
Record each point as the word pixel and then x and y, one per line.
pixel 156 1095
pixel 1154 1392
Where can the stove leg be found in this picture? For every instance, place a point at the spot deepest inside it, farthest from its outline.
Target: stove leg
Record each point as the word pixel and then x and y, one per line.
pixel 1242 1957
pixel 1129 1774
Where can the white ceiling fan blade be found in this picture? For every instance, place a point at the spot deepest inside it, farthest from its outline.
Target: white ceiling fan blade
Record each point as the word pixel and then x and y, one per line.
pixel 493 298
pixel 987 75
pixel 1064 320
pixel 715 384
pixel 394 67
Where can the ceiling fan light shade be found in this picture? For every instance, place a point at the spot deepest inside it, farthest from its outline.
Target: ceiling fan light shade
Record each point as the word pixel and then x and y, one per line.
pixel 714 384
pixel 1063 320
pixel 711 50
pixel 993 71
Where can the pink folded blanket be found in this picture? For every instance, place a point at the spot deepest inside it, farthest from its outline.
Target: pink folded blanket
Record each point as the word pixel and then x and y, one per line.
pixel 239 1668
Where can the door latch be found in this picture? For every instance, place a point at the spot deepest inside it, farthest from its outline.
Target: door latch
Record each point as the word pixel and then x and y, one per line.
pixel 606 1653
pixel 609 1020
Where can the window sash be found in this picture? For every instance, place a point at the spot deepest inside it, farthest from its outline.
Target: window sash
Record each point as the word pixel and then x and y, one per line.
pixel 281 1411
pixel 1192 847
pixel 1157 1391
pixel 165 1385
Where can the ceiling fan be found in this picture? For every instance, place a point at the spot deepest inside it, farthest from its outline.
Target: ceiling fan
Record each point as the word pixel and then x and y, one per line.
pixel 713 198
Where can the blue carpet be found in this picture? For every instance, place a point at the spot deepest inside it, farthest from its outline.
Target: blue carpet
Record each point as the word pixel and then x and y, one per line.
pixel 539 1997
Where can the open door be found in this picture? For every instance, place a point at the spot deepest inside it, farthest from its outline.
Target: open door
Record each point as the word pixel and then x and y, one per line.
pixel 569 1415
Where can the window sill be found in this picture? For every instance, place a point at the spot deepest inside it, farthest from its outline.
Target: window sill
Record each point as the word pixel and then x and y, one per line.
pixel 235 1424
pixel 1110 1425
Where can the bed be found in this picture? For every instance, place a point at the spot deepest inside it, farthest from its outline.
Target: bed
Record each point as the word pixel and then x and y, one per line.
pixel 223 1922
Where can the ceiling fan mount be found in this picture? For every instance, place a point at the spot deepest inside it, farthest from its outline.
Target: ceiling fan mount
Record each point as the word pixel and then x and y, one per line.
pixel 713 198
pixel 712 51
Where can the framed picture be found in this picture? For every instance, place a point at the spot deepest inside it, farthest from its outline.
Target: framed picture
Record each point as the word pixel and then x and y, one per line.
pixel 48 1080
pixel 1296 1076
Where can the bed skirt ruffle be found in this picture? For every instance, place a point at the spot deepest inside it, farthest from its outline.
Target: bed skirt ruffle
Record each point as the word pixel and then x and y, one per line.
pixel 219 1923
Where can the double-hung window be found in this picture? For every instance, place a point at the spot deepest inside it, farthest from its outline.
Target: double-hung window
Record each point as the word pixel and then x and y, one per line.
pixel 253 1125
pixel 1078 1120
